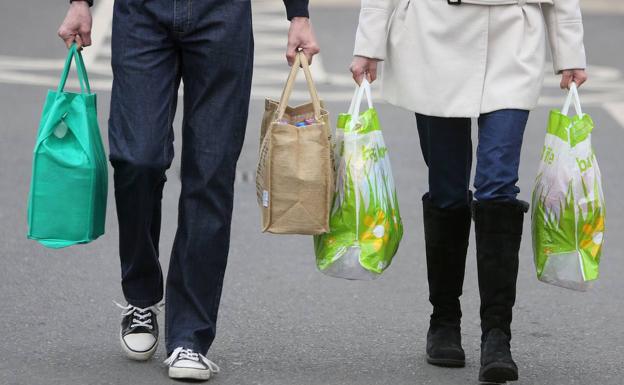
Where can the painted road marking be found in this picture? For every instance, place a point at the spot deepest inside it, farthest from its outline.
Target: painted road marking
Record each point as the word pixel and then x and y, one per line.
pixel 605 7
pixel 616 110
pixel 270 71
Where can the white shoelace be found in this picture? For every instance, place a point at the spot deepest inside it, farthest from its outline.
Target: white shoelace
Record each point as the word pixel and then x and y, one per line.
pixel 140 316
pixel 188 354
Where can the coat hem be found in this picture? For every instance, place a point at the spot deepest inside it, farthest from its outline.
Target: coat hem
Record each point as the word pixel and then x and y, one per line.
pixel 412 107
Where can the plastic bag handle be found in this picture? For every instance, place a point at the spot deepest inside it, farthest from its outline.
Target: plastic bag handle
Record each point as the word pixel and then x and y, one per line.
pixel 573 95
pixel 354 108
pixel 300 60
pixel 357 98
pixel 75 54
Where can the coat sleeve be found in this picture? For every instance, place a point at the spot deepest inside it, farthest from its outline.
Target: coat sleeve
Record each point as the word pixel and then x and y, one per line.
pixel 296 8
pixel 372 30
pixel 565 32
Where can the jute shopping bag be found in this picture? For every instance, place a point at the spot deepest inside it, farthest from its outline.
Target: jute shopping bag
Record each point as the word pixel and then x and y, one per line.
pixel 294 178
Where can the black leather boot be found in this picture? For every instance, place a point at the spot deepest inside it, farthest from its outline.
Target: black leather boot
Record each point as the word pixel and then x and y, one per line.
pixel 498 228
pixel 446 243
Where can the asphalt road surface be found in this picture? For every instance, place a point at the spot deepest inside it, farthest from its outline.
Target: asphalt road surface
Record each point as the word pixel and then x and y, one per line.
pixel 282 322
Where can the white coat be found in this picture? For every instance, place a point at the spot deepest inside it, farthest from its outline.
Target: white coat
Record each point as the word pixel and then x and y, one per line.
pixel 468 59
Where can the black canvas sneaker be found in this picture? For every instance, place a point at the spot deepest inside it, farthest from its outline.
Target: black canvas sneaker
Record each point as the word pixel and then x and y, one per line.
pixel 189 365
pixel 139 331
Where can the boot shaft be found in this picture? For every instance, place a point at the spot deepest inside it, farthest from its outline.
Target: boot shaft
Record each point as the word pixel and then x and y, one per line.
pixel 498 230
pixel 446 243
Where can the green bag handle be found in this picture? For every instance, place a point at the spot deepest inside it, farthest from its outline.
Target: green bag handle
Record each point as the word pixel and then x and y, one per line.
pixel 80 69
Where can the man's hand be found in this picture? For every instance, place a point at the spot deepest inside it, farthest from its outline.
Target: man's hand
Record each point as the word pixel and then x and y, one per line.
pixel 301 37
pixel 364 66
pixel 578 76
pixel 77 25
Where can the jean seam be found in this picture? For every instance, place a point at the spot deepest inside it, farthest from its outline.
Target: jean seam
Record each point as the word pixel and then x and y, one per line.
pixel 170 112
pixel 167 318
pixel 188 17
pixel 175 16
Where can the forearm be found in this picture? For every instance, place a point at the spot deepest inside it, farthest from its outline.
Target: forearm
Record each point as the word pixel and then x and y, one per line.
pixel 296 8
pixel 565 32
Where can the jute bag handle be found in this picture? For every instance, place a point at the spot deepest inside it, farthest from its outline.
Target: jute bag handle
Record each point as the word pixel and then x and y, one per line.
pixel 300 60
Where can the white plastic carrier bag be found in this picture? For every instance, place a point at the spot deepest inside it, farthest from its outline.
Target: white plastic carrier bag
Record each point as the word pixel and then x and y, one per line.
pixel 568 210
pixel 365 223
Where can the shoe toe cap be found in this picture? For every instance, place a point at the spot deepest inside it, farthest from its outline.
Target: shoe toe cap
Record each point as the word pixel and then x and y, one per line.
pixel 139 342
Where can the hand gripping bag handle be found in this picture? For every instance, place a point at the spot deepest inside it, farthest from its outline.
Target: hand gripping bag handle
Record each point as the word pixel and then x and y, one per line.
pixel 74 53
pixel 354 108
pixel 300 60
pixel 573 95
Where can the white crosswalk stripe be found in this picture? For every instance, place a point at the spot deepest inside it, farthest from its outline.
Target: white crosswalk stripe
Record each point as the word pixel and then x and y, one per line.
pixel 270 69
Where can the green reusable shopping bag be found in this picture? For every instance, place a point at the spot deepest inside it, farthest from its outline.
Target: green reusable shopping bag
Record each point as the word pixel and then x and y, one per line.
pixel 365 223
pixel 67 202
pixel 568 211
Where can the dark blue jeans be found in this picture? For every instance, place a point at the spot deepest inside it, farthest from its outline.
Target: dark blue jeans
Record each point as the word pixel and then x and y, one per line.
pixel 208 44
pixel 447 148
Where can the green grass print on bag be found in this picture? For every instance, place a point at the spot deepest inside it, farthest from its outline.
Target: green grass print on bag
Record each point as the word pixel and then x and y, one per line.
pixel 365 221
pixel 568 214
pixel 69 186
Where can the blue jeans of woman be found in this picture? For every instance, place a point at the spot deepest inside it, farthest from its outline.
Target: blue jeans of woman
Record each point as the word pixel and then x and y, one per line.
pixel 447 148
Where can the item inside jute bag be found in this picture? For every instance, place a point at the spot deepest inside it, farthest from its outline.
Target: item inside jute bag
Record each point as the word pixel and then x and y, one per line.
pixel 295 174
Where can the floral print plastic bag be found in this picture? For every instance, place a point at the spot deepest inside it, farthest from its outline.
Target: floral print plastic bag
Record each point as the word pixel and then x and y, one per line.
pixel 568 214
pixel 365 223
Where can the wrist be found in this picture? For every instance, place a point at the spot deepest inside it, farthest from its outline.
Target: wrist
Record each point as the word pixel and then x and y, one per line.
pixel 80 3
pixel 300 19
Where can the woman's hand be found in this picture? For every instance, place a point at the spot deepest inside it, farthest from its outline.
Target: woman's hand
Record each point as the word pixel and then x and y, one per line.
pixel 578 76
pixel 364 66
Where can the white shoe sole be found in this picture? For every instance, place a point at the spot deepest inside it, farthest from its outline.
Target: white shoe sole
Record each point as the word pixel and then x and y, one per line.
pixel 189 373
pixel 134 355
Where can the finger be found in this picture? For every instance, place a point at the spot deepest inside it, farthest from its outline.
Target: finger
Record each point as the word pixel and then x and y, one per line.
pixel 566 78
pixel 372 72
pixel 314 48
pixel 562 84
pixel 308 55
pixel 69 41
pixel 78 42
pixel 357 75
pixel 291 53
pixel 66 36
pixel 85 35
pixel 579 79
pixel 310 50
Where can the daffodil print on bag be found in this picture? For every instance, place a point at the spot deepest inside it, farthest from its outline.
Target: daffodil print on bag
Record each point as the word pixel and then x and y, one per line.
pixel 568 217
pixel 365 222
